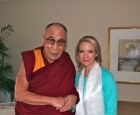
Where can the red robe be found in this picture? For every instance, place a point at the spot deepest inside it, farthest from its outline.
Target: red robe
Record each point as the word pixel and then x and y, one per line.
pixel 53 79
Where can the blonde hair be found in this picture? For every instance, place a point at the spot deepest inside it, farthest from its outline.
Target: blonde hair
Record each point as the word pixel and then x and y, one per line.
pixel 94 41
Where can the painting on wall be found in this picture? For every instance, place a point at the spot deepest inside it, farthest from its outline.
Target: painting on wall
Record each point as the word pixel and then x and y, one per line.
pixel 129 55
pixel 124 53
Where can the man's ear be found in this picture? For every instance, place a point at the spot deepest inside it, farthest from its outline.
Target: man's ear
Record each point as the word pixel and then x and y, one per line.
pixel 43 39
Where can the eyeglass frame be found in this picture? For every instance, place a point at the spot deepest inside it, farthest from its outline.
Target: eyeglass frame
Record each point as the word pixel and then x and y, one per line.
pixel 50 40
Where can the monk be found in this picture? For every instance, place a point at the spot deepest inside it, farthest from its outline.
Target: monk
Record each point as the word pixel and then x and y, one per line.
pixel 45 82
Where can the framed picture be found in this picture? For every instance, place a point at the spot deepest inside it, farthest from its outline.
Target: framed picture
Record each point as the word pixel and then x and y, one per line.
pixel 124 53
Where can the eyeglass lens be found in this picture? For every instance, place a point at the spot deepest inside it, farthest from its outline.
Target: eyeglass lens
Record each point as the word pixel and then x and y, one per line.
pixel 52 41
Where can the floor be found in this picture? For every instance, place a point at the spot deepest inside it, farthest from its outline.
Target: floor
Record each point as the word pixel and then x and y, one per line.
pixel 128 108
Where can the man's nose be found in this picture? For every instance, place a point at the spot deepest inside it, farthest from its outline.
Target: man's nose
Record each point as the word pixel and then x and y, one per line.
pixel 55 46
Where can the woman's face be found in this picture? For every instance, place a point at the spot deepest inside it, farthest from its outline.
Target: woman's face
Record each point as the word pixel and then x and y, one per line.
pixel 87 54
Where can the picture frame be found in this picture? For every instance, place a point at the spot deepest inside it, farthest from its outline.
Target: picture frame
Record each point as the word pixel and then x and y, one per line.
pixel 124 54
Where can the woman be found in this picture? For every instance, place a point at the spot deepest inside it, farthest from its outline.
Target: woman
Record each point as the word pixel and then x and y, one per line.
pixel 95 84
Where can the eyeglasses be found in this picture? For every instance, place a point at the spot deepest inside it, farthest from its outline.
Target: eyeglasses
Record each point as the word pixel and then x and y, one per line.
pixel 50 40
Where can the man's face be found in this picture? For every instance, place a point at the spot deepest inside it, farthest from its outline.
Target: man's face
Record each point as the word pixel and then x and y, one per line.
pixel 54 41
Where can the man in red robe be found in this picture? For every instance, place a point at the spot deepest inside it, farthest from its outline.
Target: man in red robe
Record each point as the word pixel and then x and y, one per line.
pixel 45 82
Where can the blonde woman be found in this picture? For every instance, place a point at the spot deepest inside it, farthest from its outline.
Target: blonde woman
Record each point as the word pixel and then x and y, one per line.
pixel 95 84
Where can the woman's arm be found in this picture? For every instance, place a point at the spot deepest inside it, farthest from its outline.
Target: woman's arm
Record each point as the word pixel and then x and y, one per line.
pixel 110 93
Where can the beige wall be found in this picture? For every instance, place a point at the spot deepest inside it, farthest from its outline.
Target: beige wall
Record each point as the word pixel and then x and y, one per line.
pixel 81 17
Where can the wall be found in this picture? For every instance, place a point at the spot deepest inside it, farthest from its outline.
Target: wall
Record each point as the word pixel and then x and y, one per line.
pixel 90 17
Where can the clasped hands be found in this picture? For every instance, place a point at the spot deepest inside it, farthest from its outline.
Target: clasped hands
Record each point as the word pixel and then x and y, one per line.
pixel 64 104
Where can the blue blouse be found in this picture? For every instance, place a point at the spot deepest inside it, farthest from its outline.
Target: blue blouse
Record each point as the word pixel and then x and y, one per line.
pixel 110 91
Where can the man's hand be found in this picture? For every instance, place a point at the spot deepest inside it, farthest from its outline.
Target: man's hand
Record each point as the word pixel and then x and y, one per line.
pixel 57 102
pixel 70 102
